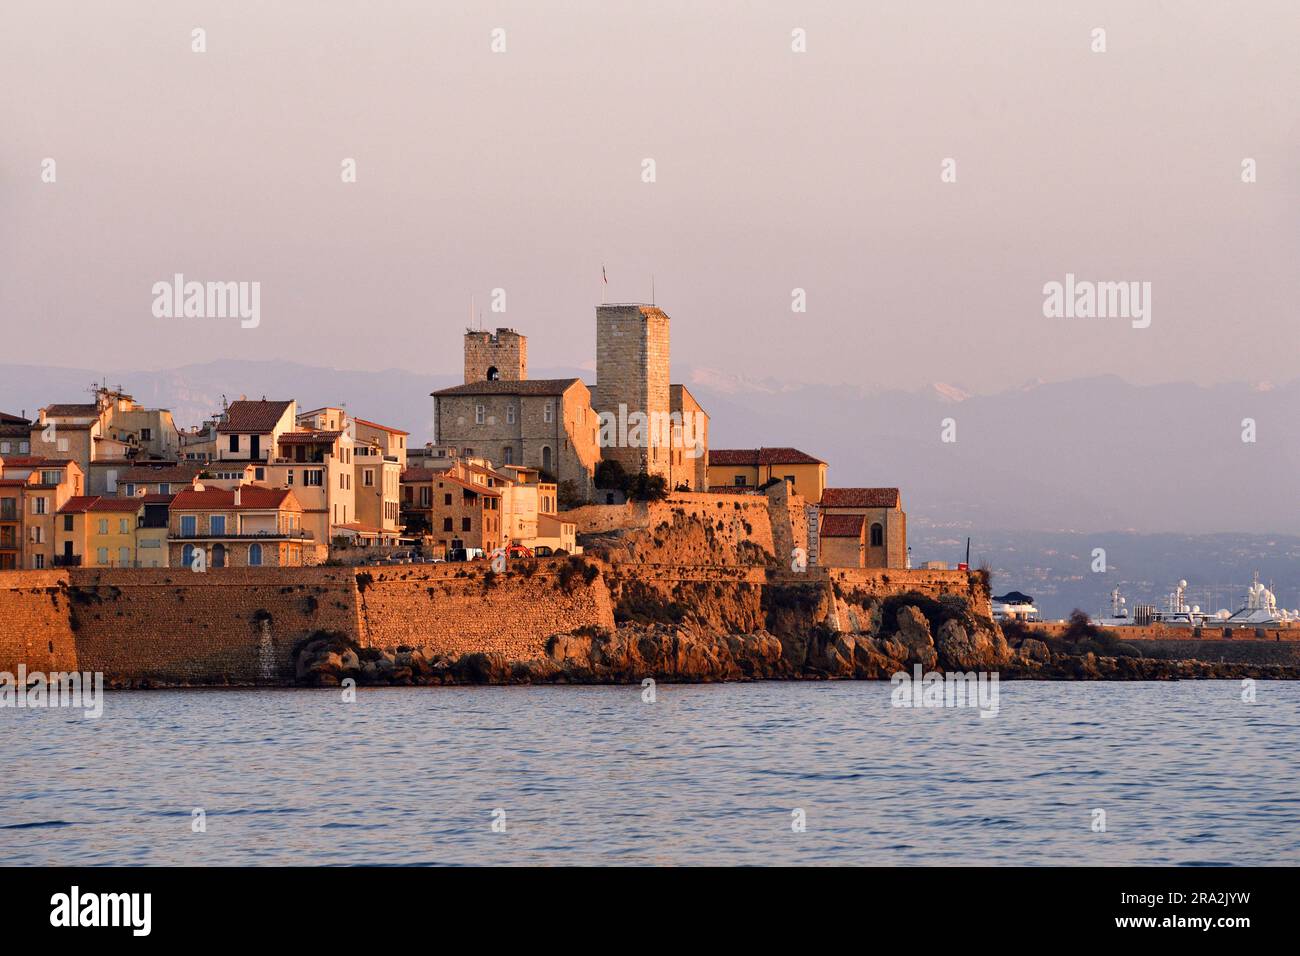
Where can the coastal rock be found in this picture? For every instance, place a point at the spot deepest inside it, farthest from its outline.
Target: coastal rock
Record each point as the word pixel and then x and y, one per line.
pixel 976 649
pixel 1032 649
pixel 914 634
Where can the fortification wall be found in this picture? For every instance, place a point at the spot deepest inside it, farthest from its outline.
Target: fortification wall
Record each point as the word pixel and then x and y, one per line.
pixel 1249 651
pixel 887 582
pixel 686 528
pixel 242 625
pixel 461 609
pixel 1162 632
pixel 34 622
pixel 227 625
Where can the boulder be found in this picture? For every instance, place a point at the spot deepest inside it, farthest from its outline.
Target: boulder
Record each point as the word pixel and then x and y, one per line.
pixel 960 649
pixel 914 635
pixel 1032 649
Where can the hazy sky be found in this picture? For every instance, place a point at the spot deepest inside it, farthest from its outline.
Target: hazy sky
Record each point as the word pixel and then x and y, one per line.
pixel 522 170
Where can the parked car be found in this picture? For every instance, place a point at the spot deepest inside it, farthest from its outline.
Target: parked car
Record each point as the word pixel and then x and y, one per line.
pixel 465 554
pixel 542 551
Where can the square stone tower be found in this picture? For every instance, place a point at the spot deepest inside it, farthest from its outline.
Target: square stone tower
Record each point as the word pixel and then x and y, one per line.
pixel 500 356
pixel 632 376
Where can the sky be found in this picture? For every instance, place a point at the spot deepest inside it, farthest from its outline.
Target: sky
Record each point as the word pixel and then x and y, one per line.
pixel 775 170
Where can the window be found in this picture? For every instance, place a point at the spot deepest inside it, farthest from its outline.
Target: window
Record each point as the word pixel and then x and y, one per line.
pixel 218 524
pixel 101 555
pixel 877 535
pixel 40 506
pixel 492 373
pixel 24 447
pixel 546 458
pixel 67 522
pixel 38 534
pixel 189 526
pixel 234 443
pixel 9 509
pixel 38 561
pixel 741 481
pixel 130 490
pixel 164 488
pixel 54 477
pixel 480 415
pixel 313 478
pixel 146 434
pixel 254 555
pixel 259 474
pixel 446 499
pixel 446 524
pixel 4 448
pixel 289 477
pixel 103 526
pixel 124 526
pixel 464 524
pixel 187 554
pixel 368 477
pixel 508 455
pixel 548 412
pixel 124 557
pixel 510 414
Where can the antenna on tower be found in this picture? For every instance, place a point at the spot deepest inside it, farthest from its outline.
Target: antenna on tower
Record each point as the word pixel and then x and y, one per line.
pixel 652 288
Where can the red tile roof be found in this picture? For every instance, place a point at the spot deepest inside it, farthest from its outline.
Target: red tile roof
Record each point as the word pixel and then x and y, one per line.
pixel 104 503
pixel 842 526
pixel 170 473
pixel 861 498
pixel 251 498
pixel 412 475
pixel 532 386
pixel 761 456
pixel 481 489
pixel 77 504
pixel 383 428
pixel 72 410
pixel 30 461
pixel 308 438
pixel 244 416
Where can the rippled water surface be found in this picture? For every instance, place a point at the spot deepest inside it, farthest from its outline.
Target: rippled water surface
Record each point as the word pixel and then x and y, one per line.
pixel 1185 772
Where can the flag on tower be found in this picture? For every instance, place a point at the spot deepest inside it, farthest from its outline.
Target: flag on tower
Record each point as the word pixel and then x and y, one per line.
pixel 603 278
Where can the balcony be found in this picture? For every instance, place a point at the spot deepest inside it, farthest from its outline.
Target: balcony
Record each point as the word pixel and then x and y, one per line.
pixel 67 561
pixel 295 535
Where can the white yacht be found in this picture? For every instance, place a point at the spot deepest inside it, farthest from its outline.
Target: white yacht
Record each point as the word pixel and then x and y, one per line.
pixel 1260 610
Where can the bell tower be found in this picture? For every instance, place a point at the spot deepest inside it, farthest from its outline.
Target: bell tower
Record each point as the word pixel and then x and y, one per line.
pixel 495 356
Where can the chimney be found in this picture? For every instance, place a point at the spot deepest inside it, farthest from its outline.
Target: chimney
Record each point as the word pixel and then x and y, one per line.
pixel 237 488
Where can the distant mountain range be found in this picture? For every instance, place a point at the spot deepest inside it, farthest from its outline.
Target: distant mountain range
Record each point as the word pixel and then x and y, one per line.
pixel 1062 460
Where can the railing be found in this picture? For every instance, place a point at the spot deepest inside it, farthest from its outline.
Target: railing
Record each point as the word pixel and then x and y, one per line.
pixel 67 561
pixel 296 535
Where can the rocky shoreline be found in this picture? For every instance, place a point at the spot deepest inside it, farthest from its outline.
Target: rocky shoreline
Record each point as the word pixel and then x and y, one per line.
pixel 689 653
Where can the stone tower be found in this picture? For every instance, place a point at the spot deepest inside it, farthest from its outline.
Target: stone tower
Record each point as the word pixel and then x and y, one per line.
pixel 632 376
pixel 500 356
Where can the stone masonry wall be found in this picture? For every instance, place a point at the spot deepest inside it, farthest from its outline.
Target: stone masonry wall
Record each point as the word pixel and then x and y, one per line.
pixel 34 622
pixel 461 609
